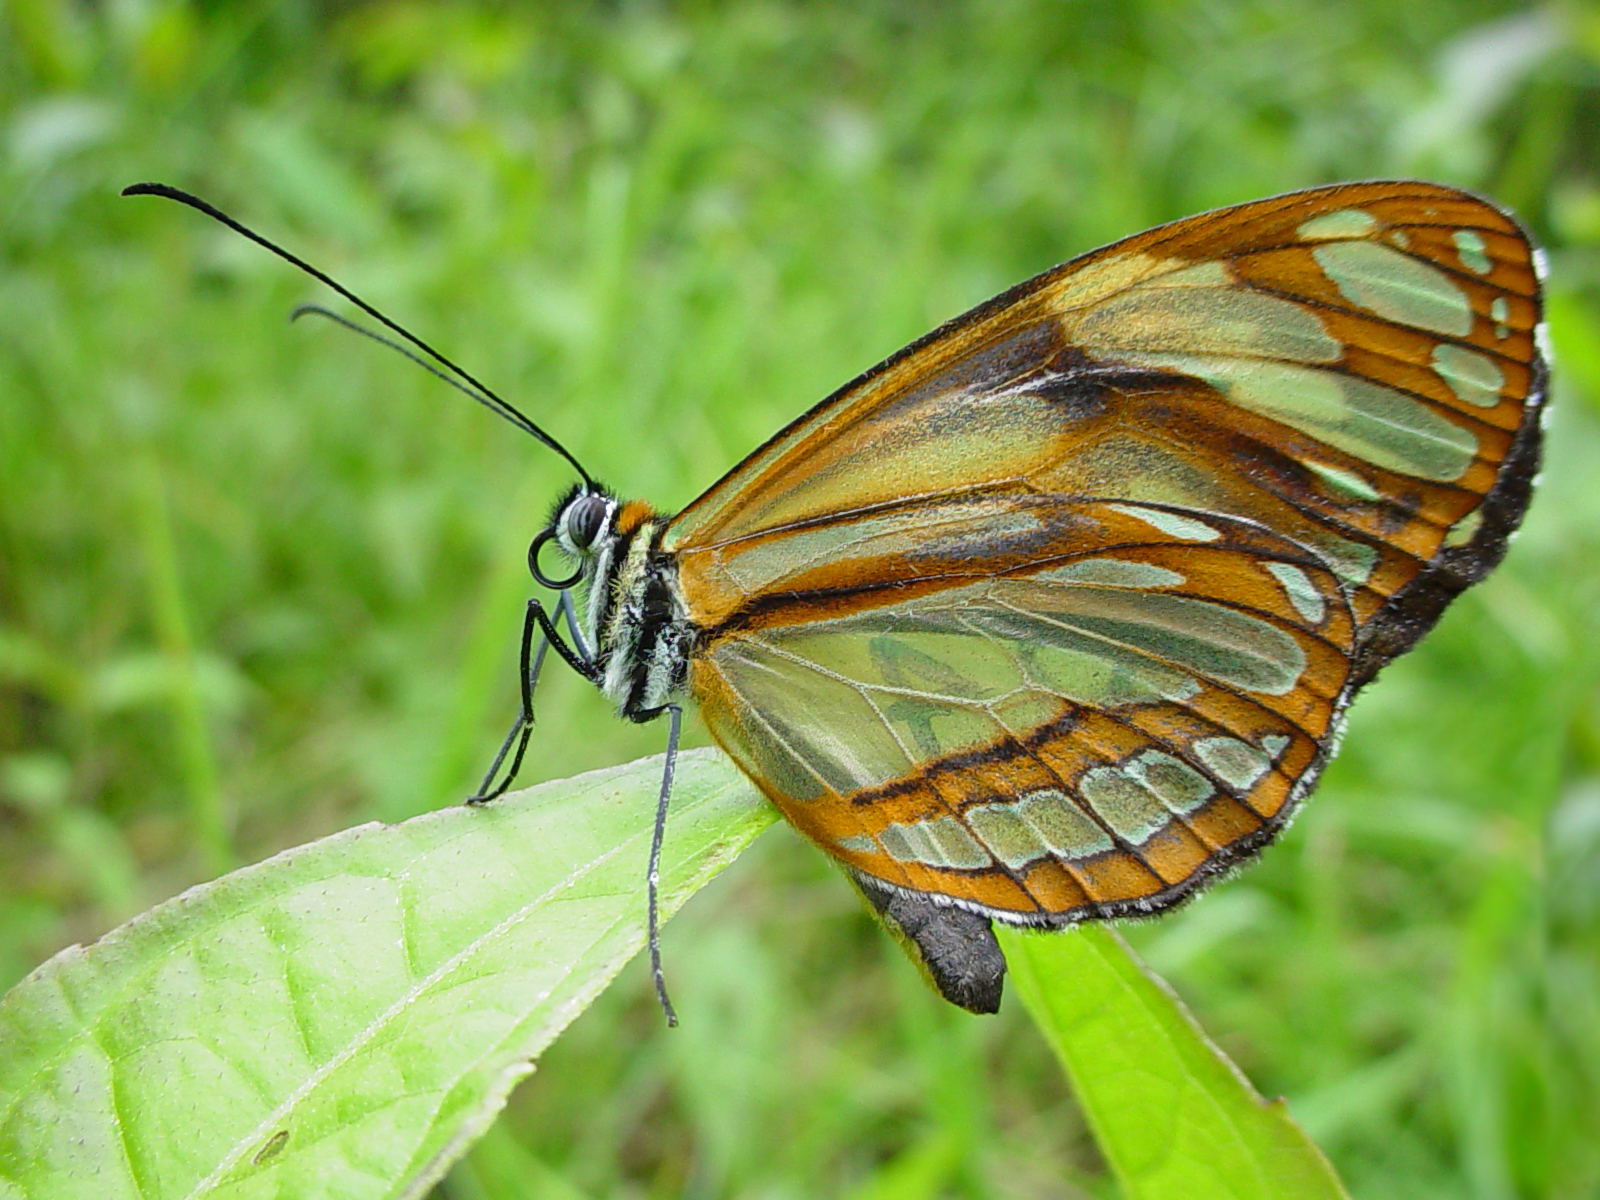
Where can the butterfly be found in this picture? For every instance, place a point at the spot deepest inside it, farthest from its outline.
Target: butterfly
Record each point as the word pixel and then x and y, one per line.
pixel 1056 614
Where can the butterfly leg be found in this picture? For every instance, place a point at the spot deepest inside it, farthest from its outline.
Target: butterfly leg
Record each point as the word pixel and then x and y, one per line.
pixel 574 630
pixel 653 874
pixel 539 634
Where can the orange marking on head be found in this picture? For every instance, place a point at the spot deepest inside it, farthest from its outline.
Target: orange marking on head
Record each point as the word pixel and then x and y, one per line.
pixel 632 515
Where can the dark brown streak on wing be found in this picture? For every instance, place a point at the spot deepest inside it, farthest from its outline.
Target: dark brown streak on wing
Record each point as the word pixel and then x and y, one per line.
pixel 1080 384
pixel 1007 750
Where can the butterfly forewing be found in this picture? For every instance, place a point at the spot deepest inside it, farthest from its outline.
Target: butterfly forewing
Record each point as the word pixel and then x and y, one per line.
pixel 1054 612
pixel 1350 366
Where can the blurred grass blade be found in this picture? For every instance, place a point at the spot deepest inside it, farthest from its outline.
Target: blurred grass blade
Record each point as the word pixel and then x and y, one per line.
pixel 1173 1116
pixel 170 610
pixel 342 1019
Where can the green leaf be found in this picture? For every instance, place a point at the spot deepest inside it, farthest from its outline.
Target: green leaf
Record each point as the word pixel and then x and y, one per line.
pixel 1173 1116
pixel 343 1019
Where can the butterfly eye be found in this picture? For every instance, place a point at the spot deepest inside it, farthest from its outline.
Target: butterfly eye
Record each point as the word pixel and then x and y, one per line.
pixel 584 519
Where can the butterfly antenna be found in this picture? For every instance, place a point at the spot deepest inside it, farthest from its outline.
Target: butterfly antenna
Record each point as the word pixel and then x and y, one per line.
pixel 316 310
pixel 484 394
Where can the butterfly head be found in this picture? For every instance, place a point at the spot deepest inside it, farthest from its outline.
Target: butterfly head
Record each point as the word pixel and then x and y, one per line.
pixel 633 621
pixel 582 524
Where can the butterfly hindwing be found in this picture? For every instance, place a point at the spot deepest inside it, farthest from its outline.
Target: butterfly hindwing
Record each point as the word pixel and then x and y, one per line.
pixel 1040 707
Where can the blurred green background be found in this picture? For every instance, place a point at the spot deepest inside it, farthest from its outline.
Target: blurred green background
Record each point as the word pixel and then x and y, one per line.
pixel 258 583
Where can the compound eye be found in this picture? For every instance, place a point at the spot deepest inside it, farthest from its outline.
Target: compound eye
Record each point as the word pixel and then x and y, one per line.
pixel 584 519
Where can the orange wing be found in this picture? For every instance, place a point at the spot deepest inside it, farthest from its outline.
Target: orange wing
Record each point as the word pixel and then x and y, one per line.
pixel 1354 367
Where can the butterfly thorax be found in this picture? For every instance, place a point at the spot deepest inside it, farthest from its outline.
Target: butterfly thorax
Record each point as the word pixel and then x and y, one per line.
pixel 634 617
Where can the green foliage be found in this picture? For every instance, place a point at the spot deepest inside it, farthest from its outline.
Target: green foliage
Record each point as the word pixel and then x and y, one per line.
pixel 258 584
pixel 1171 1114
pixel 350 1014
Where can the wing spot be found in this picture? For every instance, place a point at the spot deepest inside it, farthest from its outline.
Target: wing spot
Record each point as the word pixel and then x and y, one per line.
pixel 938 842
pixel 1345 482
pixel 1238 763
pixel 1396 286
pixel 1202 320
pixel 1471 250
pixel 1210 274
pixel 1353 562
pixel 1178 785
pixel 1474 378
pixel 1337 226
pixel 1464 530
pixel 1113 572
pixel 1500 310
pixel 1302 593
pixel 1124 804
pixel 1042 824
pixel 1184 528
